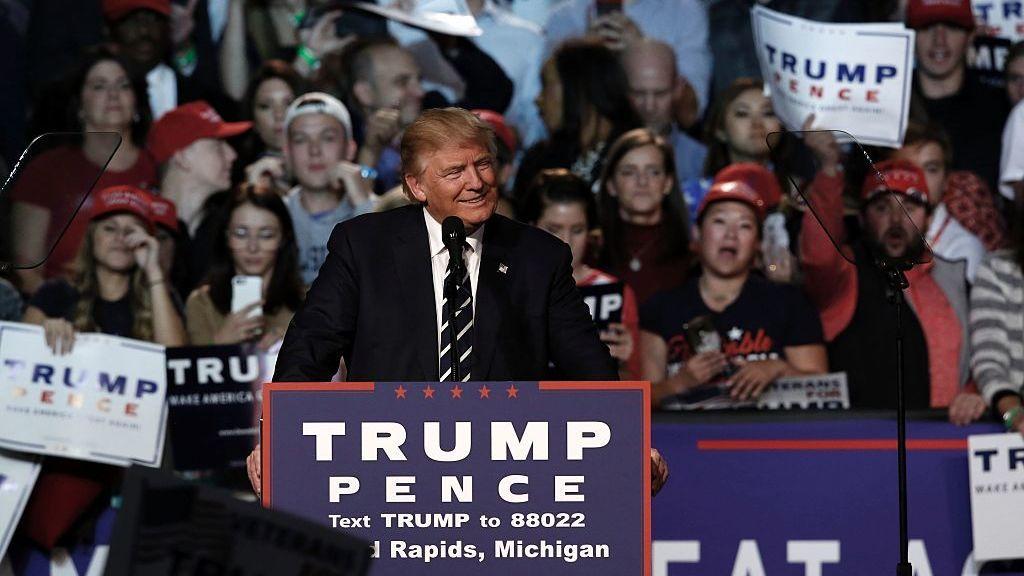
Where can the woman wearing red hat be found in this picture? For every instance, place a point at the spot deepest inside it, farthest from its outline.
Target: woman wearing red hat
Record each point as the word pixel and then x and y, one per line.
pixel 102 98
pixel 729 326
pixel 118 286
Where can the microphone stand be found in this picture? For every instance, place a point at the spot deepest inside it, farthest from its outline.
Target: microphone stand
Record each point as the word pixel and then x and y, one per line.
pixel 897 281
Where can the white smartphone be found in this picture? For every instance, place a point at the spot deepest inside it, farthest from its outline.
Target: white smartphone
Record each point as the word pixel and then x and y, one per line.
pixel 244 291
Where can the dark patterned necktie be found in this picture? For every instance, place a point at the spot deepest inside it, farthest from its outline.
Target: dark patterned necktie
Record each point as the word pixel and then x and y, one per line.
pixel 463 354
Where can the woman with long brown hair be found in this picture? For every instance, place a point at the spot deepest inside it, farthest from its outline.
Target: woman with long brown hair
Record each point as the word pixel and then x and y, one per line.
pixel 645 243
pixel 117 286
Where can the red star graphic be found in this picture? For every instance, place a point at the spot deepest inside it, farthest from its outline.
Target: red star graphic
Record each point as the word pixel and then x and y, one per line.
pixel 513 392
pixel 428 392
pixel 456 392
pixel 400 392
pixel 484 391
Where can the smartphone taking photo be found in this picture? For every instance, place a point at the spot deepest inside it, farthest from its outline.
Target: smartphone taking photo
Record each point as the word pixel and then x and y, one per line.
pixel 246 290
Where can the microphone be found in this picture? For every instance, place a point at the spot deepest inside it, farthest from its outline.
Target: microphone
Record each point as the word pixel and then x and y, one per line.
pixel 453 234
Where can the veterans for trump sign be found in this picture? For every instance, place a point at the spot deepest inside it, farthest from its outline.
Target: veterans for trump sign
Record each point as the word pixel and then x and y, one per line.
pixel 852 77
pixel 103 402
pixel 468 478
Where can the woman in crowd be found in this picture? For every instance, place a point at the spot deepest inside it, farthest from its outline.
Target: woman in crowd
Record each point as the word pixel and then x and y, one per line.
pixel 275 86
pixel 736 131
pixel 102 98
pixel 646 242
pixel 997 360
pixel 561 203
pixel 728 326
pixel 258 241
pixel 117 286
pixel 585 107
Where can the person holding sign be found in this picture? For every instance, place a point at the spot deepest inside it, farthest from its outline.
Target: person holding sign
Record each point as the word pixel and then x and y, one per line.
pixel 379 300
pixel 560 203
pixel 728 326
pixel 118 287
pixel 258 242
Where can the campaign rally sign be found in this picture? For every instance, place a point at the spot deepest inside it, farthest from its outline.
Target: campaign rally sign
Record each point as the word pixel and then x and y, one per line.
pixel 997 495
pixel 213 394
pixel 102 402
pixel 852 77
pixel 168 527
pixel 605 302
pixel 770 494
pixel 18 474
pixel 1000 18
pixel 471 478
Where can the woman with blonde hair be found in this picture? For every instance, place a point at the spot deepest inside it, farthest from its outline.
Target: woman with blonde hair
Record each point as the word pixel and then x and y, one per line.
pixel 117 285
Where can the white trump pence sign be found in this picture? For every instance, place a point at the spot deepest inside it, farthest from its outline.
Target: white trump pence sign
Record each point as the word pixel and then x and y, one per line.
pixel 103 402
pixel 852 77
pixel 997 495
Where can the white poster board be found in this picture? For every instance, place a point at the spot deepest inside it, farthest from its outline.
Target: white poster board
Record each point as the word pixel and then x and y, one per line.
pixel 852 77
pixel 997 495
pixel 1000 18
pixel 103 402
pixel 18 473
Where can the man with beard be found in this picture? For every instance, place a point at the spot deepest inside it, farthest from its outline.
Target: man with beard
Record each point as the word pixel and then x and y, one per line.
pixel 858 320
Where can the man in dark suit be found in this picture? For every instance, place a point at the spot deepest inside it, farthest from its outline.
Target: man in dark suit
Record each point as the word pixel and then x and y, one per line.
pixel 379 300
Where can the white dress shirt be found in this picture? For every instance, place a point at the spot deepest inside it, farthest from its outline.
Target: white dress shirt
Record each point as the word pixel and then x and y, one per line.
pixel 439 264
pixel 163 90
pixel 950 240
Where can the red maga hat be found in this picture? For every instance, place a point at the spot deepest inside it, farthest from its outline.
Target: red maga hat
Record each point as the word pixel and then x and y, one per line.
pixel 924 13
pixel 114 10
pixel 901 177
pixel 122 199
pixel 735 190
pixel 186 124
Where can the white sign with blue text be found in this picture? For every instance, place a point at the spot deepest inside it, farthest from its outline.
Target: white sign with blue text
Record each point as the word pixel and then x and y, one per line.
pixel 997 495
pixel 18 473
pixel 852 77
pixel 103 402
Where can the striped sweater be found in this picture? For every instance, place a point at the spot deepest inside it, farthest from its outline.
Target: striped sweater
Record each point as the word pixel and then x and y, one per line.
pixel 997 325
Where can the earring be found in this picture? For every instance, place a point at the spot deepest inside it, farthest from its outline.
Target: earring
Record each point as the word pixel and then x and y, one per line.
pixel 136 118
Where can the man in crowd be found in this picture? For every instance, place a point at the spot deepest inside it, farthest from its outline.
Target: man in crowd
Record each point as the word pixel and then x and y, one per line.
pixel 190 145
pixel 683 25
pixel 858 320
pixel 383 89
pixel 971 112
pixel 318 150
pixel 654 86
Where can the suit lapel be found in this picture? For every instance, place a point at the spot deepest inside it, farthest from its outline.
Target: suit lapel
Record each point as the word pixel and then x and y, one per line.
pixel 415 276
pixel 491 296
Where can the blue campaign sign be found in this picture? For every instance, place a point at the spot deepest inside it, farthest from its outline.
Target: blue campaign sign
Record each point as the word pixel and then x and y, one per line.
pixel 810 497
pixel 465 479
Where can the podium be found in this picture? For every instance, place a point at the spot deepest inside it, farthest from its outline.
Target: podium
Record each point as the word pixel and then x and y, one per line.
pixel 468 478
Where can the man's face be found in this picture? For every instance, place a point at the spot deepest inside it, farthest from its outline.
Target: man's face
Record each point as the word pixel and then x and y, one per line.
pixel 928 157
pixel 316 143
pixel 941 49
pixel 396 84
pixel 890 231
pixel 209 161
pixel 457 180
pixel 145 36
pixel 651 87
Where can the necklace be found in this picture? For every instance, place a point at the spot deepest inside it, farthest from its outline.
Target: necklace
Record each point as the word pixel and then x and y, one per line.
pixel 635 264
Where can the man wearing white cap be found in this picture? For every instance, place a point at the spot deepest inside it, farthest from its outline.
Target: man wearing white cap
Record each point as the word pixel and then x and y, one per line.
pixel 319 150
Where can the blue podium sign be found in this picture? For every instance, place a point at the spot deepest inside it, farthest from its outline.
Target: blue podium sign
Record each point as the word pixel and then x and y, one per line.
pixel 471 478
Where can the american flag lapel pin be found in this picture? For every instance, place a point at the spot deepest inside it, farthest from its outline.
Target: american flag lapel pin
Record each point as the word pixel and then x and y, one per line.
pixel 503 268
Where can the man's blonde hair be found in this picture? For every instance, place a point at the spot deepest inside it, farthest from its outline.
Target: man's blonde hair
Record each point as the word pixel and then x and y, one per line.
pixel 437 128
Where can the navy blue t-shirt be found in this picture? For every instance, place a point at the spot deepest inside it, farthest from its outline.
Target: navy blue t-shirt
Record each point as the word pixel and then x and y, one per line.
pixel 763 320
pixel 57 299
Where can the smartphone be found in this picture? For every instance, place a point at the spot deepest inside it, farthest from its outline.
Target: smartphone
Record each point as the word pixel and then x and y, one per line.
pixel 353 21
pixel 702 336
pixel 605 7
pixel 244 291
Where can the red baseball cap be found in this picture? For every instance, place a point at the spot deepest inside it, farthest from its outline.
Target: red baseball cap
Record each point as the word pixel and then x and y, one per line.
pixel 122 199
pixel 761 179
pixel 163 212
pixel 186 124
pixel 924 13
pixel 500 127
pixel 114 10
pixel 736 190
pixel 900 176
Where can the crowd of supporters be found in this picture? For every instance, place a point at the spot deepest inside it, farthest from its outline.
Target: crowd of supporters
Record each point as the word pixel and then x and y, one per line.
pixel 639 136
